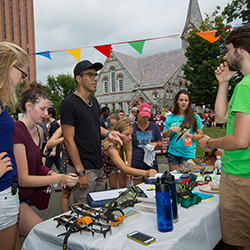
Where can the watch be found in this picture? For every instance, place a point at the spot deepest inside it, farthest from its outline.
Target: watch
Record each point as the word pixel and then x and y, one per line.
pixel 81 173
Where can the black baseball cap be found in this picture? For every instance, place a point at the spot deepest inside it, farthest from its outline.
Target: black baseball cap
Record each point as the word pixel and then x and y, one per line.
pixel 84 65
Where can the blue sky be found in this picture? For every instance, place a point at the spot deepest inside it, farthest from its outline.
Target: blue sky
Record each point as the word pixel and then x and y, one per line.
pixel 64 24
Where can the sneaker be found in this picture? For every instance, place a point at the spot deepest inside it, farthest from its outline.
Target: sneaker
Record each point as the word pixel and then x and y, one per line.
pixel 193 165
pixel 208 160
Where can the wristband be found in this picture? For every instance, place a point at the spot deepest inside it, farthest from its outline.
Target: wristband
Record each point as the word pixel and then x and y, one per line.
pixel 50 172
pixel 157 144
pixel 109 133
pixel 207 143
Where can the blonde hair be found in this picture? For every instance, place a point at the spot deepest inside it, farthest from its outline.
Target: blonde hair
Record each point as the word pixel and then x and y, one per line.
pixel 120 126
pixel 10 55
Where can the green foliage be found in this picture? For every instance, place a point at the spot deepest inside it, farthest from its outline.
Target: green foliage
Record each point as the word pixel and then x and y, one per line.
pixel 237 9
pixel 203 58
pixel 17 109
pixel 58 88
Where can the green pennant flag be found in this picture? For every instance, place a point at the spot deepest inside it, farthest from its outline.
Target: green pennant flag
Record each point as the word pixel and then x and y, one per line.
pixel 138 45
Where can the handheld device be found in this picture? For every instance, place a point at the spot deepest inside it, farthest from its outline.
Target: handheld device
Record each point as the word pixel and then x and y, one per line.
pixel 142 238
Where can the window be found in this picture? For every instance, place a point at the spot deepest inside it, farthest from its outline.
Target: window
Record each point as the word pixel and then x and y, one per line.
pixel 105 86
pixel 112 74
pixel 120 83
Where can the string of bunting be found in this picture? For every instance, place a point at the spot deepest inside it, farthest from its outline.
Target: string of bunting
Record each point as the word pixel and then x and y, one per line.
pixel 136 44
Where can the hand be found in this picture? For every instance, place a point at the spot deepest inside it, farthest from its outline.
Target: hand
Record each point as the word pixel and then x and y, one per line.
pixel 151 172
pixel 116 137
pixel 203 143
pixel 70 180
pixel 5 164
pixel 83 182
pixel 53 153
pixel 45 151
pixel 223 73
pixel 175 129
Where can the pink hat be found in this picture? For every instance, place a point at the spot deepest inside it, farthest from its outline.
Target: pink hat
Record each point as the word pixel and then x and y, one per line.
pixel 145 110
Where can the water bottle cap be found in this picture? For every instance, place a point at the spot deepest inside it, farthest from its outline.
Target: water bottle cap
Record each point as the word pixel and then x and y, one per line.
pixel 162 187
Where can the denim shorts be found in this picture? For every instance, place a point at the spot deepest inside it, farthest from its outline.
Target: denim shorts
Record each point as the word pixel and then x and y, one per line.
pixel 176 160
pixel 9 208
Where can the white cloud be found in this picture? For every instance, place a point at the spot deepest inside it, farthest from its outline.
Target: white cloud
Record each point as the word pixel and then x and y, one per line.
pixel 64 24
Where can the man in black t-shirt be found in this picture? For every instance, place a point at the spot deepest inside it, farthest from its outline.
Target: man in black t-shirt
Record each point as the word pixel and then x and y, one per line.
pixel 53 155
pixel 82 133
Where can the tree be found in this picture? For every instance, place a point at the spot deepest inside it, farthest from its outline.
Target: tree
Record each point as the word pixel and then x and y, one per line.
pixel 202 59
pixel 59 88
pixel 14 110
pixel 237 9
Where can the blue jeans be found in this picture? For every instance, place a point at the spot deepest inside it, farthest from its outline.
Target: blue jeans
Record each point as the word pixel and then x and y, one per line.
pixel 176 160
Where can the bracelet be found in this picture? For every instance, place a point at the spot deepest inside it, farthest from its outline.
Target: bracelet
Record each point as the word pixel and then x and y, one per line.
pixel 207 143
pixel 193 137
pixel 50 172
pixel 157 144
pixel 109 132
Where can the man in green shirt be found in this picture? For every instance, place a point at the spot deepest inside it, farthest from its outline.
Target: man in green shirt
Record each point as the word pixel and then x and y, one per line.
pixel 235 178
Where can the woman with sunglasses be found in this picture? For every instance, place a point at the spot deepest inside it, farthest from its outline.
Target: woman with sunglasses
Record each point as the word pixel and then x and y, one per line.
pixel 182 148
pixel 13 64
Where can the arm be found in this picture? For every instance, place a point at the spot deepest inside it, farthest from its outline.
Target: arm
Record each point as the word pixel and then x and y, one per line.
pixel 197 136
pixel 223 75
pixel 239 139
pixel 5 164
pixel 120 164
pixel 56 139
pixel 113 136
pixel 26 180
pixel 167 133
pixel 68 135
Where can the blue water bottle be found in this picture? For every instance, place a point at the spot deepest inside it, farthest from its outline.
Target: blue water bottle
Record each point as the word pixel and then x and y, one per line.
pixel 163 206
pixel 173 198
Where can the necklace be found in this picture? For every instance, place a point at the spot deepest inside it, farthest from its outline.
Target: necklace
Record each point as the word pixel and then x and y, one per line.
pixel 88 104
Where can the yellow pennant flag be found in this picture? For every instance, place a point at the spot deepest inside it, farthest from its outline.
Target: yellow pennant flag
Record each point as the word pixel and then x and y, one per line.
pixel 75 53
pixel 209 35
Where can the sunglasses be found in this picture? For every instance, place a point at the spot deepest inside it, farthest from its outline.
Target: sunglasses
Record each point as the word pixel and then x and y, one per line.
pixel 24 75
pixel 91 75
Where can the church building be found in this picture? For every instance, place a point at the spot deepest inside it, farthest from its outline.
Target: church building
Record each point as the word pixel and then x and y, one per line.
pixel 156 78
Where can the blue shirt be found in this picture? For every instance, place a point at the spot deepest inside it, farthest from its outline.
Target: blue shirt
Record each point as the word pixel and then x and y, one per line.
pixel 7 125
pixel 139 139
pixel 178 148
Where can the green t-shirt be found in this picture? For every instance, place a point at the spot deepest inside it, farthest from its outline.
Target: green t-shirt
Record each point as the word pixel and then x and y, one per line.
pixel 237 162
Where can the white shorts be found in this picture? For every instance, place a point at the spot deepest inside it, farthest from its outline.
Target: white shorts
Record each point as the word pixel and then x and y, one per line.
pixel 9 208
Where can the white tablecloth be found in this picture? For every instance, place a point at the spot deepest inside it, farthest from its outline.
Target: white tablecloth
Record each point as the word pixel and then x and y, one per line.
pixel 198 228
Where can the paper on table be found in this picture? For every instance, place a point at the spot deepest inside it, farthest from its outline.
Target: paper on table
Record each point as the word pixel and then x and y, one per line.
pixel 108 194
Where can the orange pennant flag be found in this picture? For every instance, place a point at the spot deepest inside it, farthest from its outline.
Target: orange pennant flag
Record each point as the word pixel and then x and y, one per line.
pixel 209 35
pixel 104 49
pixel 75 53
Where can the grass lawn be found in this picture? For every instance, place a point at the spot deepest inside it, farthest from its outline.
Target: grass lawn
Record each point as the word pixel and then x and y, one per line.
pixel 212 132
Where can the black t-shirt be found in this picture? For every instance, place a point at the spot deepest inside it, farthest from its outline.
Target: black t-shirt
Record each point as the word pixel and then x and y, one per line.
pixel 53 127
pixel 85 119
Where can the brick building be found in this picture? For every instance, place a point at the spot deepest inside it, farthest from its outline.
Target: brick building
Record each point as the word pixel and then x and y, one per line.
pixel 17 26
pixel 156 78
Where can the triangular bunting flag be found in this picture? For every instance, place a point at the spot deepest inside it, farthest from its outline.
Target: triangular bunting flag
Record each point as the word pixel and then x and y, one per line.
pixel 138 45
pixel 44 53
pixel 104 49
pixel 209 35
pixel 75 53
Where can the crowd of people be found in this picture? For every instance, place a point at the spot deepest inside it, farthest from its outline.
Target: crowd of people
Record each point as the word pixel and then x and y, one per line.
pixel 93 149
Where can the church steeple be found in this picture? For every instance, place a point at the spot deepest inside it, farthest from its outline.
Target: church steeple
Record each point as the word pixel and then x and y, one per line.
pixel 193 20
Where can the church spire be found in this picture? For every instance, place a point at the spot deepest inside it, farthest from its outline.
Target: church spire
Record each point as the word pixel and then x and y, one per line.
pixel 193 20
